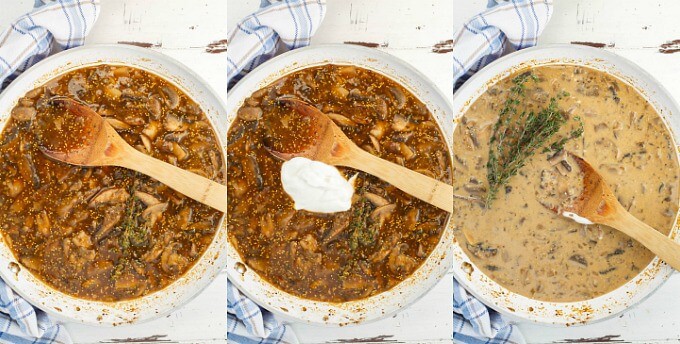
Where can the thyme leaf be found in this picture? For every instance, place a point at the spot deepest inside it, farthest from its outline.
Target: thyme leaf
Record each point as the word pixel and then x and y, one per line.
pixel 362 231
pixel 518 133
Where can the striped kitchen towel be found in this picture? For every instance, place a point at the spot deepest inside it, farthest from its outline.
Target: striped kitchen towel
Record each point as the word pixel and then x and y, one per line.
pixel 256 38
pixel 478 43
pixel 261 35
pixel 484 38
pixel 23 43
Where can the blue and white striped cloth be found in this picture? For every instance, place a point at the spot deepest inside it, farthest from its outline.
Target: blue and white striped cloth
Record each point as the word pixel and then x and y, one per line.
pixel 24 42
pixel 484 38
pixel 256 38
pixel 261 35
pixel 479 42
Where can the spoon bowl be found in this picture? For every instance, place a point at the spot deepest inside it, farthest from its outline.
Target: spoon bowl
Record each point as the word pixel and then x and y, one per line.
pixel 74 136
pixel 82 137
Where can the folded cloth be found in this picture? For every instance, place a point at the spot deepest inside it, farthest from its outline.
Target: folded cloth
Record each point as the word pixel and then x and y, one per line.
pixel 259 36
pixel 256 38
pixel 26 41
pixel 478 43
pixel 483 38
pixel 247 323
pixel 32 37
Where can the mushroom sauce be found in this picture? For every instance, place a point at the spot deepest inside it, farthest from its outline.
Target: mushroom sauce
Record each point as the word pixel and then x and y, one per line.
pixel 384 237
pixel 527 248
pixel 108 233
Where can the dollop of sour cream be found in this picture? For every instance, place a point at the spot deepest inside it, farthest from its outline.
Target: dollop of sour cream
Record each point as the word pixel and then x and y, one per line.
pixel 315 186
pixel 577 218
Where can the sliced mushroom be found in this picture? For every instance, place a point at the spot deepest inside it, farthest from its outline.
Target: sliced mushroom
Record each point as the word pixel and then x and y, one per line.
pixel 178 151
pixel 579 260
pixel 112 216
pixel 154 253
pixel 600 127
pixel 117 124
pixel 267 225
pixel 153 213
pixel 340 224
pixel 171 261
pixel 146 142
pixel 401 123
pixel 380 214
pixel 82 239
pixel 42 222
pixel 122 71
pixel 412 218
pixel 557 157
pixel 381 107
pixel 76 86
pixel 201 226
pixel 112 92
pixel 356 94
pixel 563 167
pixel 135 120
pixel 28 170
pixel 127 281
pixel 341 120
pixel 171 97
pixel 146 198
pixel 399 97
pixel 64 210
pixel 376 200
pixel 375 143
pixel 249 113
pixel 172 123
pixel 474 188
pixel 184 217
pixel 407 152
pixel 14 187
pixel 378 130
pixel 110 195
pixel 151 130
pixel 23 114
pixel 399 262
pixel 154 106
pixel 348 71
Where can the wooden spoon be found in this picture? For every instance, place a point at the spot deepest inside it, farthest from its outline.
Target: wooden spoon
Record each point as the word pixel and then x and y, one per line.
pixel 598 204
pixel 331 146
pixel 84 138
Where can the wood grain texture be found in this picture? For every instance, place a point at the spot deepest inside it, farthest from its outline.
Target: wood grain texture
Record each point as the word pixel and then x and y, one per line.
pixel 192 185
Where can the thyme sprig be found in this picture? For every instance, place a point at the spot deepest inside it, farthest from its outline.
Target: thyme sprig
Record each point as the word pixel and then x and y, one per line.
pixel 518 133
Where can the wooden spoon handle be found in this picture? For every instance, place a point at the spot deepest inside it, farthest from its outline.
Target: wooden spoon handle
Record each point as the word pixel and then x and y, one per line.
pixel 661 245
pixel 187 183
pixel 418 185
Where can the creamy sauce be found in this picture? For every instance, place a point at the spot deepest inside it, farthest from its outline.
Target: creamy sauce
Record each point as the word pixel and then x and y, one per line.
pixel 533 251
pixel 579 219
pixel 315 186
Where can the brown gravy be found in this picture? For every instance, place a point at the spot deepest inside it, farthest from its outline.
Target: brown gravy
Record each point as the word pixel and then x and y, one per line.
pixel 385 235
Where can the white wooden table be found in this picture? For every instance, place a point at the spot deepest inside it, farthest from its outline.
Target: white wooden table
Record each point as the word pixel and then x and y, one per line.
pixel 186 31
pixel 639 31
pixel 419 32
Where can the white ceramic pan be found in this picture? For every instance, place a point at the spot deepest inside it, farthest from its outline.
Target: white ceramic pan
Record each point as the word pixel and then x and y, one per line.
pixel 408 291
pixel 567 313
pixel 203 272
